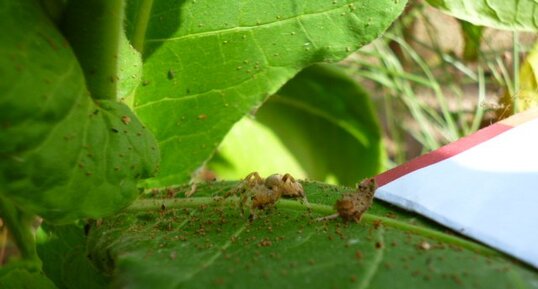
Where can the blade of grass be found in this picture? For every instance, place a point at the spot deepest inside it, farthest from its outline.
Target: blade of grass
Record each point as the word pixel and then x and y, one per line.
pixel 409 98
pixel 515 70
pixel 442 100
pixel 479 112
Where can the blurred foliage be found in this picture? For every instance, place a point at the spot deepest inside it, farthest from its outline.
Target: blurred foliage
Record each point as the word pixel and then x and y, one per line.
pixel 435 79
pixel 323 118
pixel 500 14
pixel 253 147
pixel 528 76
pixel 472 36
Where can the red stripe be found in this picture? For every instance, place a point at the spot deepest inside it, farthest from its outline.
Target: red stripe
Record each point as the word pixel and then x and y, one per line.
pixel 442 153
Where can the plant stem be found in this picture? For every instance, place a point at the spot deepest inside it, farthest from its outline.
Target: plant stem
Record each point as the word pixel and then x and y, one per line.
pixel 141 25
pixel 19 225
pixel 515 96
pixel 479 112
pixel 94 30
pixel 156 204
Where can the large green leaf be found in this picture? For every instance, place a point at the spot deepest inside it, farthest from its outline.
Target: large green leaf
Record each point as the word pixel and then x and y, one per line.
pixel 63 155
pixel 501 14
pixel 326 121
pixel 203 242
pixel 63 252
pixel 207 63
pixel 18 277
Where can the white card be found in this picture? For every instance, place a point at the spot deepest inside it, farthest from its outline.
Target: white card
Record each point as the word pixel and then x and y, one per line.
pixel 484 186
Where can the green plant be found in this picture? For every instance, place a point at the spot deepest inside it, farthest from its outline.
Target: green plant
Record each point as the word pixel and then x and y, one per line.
pixel 442 93
pixel 92 91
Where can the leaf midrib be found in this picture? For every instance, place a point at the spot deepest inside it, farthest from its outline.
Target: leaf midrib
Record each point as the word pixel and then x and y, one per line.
pixel 217 255
pixel 250 27
pixel 156 204
pixel 141 25
pixel 372 271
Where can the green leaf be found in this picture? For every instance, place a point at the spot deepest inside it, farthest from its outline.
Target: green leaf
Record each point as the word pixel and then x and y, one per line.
pixel 501 14
pixel 129 72
pixel 528 80
pixel 472 36
pixel 65 259
pixel 95 31
pixel 54 8
pixel 64 156
pixel 325 120
pixel 202 242
pixel 16 276
pixel 251 146
pixel 112 66
pixel 207 63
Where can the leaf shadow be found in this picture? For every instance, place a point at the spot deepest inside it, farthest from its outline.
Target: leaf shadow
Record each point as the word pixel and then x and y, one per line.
pixel 162 22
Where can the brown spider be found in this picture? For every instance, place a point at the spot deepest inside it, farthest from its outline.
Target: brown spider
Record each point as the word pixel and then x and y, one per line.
pixel 353 204
pixel 264 193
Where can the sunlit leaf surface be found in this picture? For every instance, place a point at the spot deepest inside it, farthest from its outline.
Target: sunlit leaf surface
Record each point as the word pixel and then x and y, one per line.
pixel 203 242
pixel 208 63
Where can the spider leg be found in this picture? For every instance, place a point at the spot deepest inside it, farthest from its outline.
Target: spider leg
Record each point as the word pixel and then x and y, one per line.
pixel 253 179
pixel 233 191
pixel 241 192
pixel 245 185
pixel 192 190
pixel 329 217
pixel 252 216
pixel 242 202
pixel 304 201
pixel 287 177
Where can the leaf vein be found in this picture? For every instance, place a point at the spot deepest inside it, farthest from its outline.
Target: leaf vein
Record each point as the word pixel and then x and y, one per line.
pixel 325 209
pixel 215 256
pixel 374 268
pixel 195 96
pixel 243 28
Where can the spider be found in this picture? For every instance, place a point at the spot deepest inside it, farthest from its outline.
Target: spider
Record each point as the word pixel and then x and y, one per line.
pixel 264 193
pixel 352 205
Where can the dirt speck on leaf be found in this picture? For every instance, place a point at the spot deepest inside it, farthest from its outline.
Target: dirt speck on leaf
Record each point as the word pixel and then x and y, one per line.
pixel 358 255
pixel 171 74
pixel 378 245
pixel 265 243
pixel 125 119
pixel 218 281
pixel 424 246
pixel 377 224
